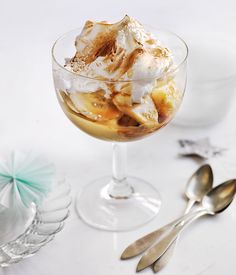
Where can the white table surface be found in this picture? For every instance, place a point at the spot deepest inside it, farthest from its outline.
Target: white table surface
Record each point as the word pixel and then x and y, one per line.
pixel 30 117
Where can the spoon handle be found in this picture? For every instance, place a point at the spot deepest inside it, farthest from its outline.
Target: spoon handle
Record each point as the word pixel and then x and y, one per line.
pixel 155 252
pixel 142 244
pixel 189 206
pixel 164 259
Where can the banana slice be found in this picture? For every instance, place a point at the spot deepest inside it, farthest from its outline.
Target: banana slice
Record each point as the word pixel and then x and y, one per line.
pixel 144 113
pixel 165 99
pixel 64 97
pixel 94 106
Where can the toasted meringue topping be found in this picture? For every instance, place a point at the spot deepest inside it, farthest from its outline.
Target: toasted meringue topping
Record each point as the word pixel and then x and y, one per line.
pixel 123 51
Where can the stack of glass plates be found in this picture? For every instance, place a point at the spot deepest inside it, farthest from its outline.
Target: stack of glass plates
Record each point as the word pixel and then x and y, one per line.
pixel 23 234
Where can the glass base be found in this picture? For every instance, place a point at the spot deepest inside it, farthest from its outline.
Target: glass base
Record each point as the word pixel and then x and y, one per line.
pixel 96 207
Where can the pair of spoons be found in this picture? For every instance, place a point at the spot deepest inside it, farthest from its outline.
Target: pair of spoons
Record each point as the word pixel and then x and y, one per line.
pixel 199 189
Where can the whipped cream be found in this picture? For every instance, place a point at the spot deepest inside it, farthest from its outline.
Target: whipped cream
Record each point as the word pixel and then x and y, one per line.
pixel 123 52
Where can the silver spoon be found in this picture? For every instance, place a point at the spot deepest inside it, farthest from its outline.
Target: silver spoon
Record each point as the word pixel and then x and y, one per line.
pixel 198 186
pixel 203 178
pixel 216 201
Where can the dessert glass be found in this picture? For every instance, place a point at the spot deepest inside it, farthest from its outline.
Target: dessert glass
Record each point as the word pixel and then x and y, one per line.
pixel 119 203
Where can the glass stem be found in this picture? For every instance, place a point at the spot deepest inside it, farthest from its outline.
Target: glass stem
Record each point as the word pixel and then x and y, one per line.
pixel 119 188
pixel 119 162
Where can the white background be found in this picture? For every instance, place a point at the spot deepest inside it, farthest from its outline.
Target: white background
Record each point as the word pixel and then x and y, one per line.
pixel 30 118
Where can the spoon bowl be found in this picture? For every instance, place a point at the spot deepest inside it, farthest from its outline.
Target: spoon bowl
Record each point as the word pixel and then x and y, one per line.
pixel 220 197
pixel 200 183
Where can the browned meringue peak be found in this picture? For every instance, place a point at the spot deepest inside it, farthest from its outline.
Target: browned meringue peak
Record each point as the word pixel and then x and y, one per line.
pixel 123 51
pixel 110 51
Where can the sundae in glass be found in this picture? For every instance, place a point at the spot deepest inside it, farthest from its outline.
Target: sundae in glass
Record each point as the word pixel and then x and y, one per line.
pixel 119 82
